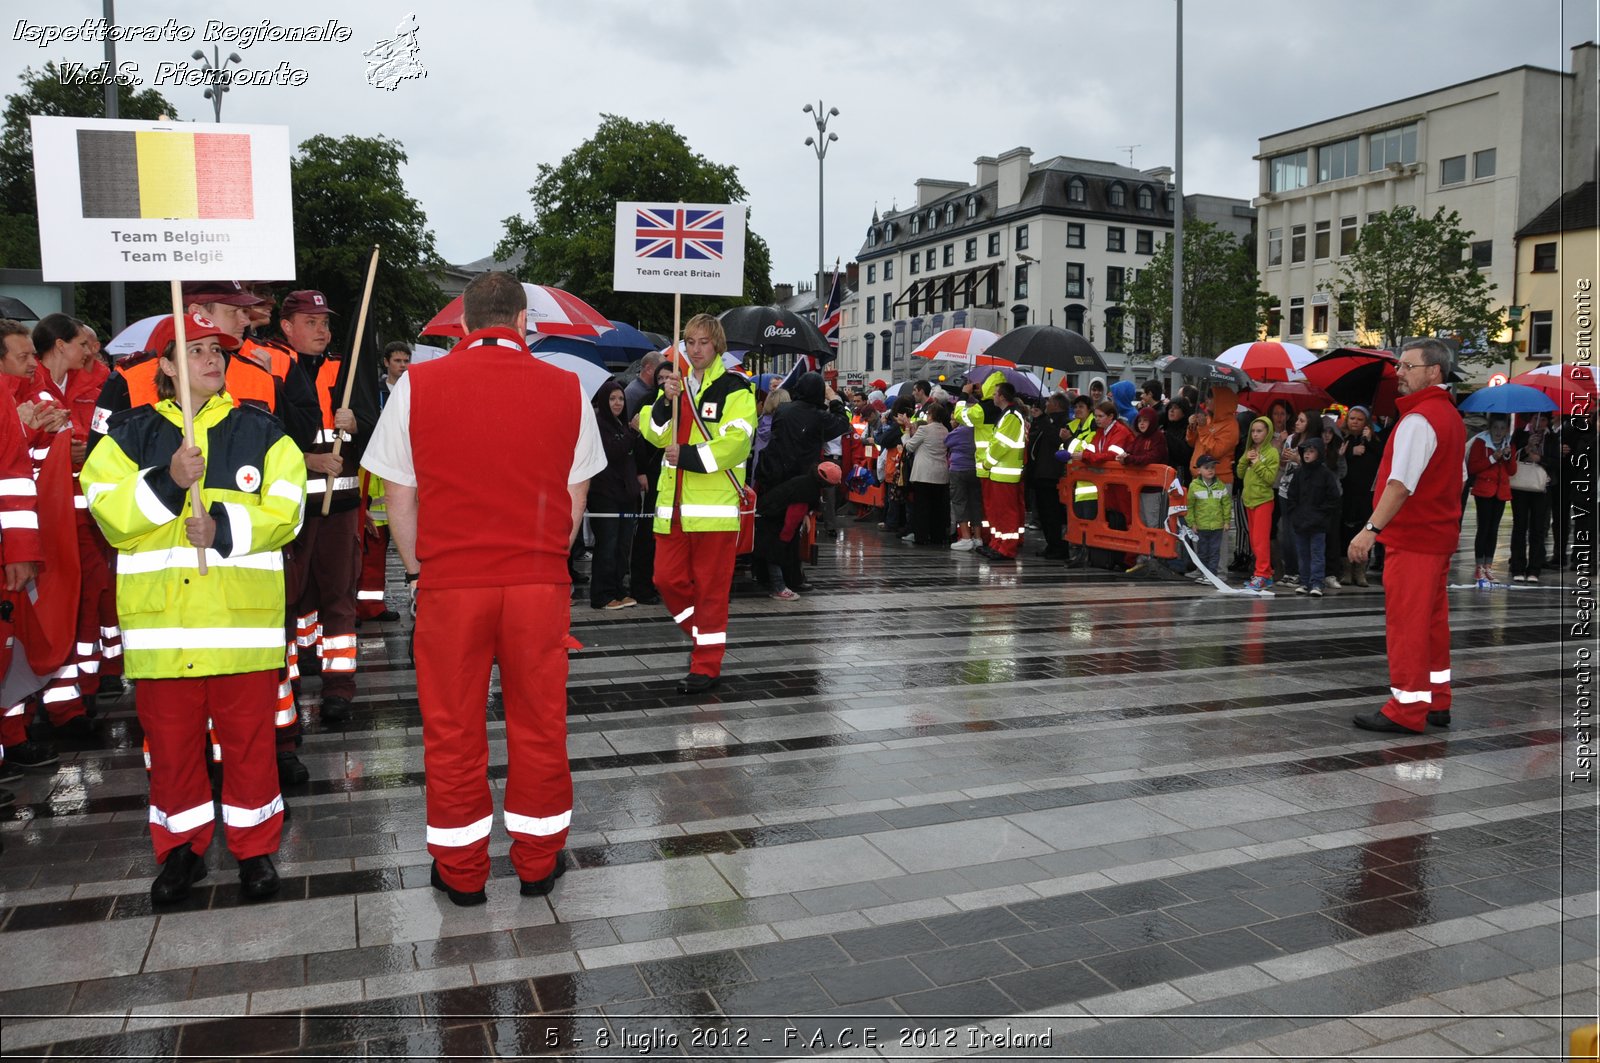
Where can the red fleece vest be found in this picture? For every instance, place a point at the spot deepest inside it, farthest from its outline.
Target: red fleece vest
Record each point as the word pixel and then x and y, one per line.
pixel 1430 520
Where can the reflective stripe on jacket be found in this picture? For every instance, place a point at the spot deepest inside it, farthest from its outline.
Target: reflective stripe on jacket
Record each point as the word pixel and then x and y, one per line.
pixel 175 622
pixel 698 485
pixel 1008 449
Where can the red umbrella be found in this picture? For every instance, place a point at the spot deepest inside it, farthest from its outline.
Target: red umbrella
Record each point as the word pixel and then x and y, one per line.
pixel 1299 394
pixel 1356 376
pixel 1571 386
pixel 1268 359
pixel 551 312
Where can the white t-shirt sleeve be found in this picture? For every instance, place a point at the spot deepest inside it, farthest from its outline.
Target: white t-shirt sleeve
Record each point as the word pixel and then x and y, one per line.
pixel 589 456
pixel 1413 444
pixel 388 453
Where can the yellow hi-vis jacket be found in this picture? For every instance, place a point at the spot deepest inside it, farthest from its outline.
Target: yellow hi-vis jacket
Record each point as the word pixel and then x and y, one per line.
pixel 1082 433
pixel 176 623
pixel 1008 448
pixel 971 415
pixel 697 488
pixel 377 504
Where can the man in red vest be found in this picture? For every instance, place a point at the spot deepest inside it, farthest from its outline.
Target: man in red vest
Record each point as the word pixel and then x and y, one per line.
pixel 1418 520
pixel 483 525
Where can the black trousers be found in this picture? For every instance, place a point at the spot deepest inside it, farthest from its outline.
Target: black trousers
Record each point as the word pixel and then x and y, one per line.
pixel 613 544
pixel 642 563
pixel 1489 510
pixel 931 514
pixel 1052 514
pixel 1530 516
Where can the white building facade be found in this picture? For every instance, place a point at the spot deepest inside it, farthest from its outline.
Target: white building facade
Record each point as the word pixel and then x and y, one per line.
pixel 1050 243
pixel 1490 149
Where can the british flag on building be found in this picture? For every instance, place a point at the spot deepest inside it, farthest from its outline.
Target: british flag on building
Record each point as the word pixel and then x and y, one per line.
pixel 680 233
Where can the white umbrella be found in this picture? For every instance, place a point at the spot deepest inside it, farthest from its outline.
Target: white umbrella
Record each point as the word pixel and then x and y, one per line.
pixel 1268 359
pixel 131 340
pixel 590 376
pixel 423 352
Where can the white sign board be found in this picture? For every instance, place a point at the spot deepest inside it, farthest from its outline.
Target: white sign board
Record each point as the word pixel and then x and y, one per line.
pixel 691 248
pixel 161 201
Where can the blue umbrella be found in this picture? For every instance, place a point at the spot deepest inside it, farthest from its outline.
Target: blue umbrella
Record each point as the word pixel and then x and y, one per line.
pixel 1508 398
pixel 623 343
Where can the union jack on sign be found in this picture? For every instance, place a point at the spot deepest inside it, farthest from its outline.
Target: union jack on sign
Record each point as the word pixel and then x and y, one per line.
pixel 669 232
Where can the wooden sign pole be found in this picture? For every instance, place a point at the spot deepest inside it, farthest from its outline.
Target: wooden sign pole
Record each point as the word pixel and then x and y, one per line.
pixel 350 372
pixel 180 355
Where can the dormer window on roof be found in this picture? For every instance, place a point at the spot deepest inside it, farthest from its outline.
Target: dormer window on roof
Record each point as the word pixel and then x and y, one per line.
pixel 872 236
pixel 949 213
pixel 972 207
pixel 1077 191
pixel 916 224
pixel 933 218
pixel 1146 198
pixel 1117 195
pixel 888 231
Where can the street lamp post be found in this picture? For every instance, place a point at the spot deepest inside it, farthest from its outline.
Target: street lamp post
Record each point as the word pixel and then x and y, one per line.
pixel 819 144
pixel 216 75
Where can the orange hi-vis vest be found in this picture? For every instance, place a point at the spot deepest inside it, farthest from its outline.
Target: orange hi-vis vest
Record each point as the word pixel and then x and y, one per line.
pixel 347 484
pixel 275 358
pixel 246 382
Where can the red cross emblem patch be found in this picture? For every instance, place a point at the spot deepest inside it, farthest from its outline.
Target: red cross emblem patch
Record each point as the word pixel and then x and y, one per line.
pixel 248 478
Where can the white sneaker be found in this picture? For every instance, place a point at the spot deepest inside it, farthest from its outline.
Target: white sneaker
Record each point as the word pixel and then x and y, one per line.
pixel 1332 582
pixel 909 538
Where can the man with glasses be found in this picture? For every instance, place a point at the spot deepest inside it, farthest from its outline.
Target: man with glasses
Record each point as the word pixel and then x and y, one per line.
pixel 1418 519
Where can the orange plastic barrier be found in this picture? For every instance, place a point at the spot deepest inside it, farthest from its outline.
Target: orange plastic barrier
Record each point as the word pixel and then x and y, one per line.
pixel 1144 497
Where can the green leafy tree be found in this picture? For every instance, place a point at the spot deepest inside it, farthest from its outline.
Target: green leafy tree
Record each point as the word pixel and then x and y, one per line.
pixel 1411 275
pixel 568 242
pixel 1221 304
pixel 46 92
pixel 349 195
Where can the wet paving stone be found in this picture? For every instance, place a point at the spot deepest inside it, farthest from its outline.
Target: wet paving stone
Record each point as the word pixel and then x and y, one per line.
pixel 1069 786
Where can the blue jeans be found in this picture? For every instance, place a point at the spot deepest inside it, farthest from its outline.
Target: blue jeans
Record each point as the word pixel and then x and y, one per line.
pixel 1209 549
pixel 1312 549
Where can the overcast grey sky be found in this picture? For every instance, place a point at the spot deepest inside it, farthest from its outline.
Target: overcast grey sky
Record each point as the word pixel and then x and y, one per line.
pixel 923 86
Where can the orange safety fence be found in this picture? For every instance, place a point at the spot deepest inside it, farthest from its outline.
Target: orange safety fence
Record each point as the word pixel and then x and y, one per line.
pixel 1147 527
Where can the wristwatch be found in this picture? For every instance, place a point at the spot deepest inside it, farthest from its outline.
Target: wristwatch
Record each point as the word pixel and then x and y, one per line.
pixel 1373 528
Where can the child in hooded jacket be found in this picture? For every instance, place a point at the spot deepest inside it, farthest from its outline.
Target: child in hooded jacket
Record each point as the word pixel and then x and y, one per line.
pixel 1258 470
pixel 1313 500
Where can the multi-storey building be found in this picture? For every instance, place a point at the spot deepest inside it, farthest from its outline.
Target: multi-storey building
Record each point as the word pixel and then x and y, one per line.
pixel 1558 253
pixel 1055 242
pixel 1497 150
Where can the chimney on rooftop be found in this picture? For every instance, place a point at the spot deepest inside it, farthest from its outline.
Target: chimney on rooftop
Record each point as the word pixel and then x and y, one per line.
pixel 1015 165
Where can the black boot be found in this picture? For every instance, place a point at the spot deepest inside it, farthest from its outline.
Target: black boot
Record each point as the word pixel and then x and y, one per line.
pixel 258 879
pixel 460 898
pixel 542 886
pixel 182 869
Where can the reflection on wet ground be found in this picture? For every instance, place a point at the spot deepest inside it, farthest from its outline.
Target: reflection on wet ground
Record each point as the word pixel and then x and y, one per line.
pixel 927 799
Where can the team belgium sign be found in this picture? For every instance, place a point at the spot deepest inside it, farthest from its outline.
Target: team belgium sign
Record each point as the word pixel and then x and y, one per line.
pixel 158 200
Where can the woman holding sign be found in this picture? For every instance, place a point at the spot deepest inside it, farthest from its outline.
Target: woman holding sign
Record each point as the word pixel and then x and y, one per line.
pixel 202 646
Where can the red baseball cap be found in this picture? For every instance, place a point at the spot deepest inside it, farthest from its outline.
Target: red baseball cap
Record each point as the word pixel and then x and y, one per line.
pixel 304 301
pixel 197 327
pixel 231 292
pixel 828 471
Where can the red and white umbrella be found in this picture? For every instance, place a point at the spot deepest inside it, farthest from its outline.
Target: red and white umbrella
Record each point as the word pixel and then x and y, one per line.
pixel 1571 386
pixel 962 345
pixel 1268 359
pixel 551 312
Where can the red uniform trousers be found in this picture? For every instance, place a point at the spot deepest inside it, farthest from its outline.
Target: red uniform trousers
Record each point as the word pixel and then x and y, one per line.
pixel 99 648
pixel 374 571
pixel 1259 521
pixel 321 577
pixel 460 634
pixel 1417 626
pixel 173 713
pixel 1004 515
pixel 694 573
pixel 13 722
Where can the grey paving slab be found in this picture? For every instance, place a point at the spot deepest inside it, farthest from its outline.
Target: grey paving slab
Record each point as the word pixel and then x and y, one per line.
pixel 76 953
pixel 253 933
pixel 806 865
pixel 1082 826
pixel 969 843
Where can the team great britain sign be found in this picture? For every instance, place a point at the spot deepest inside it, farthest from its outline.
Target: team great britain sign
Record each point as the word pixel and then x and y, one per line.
pixel 689 248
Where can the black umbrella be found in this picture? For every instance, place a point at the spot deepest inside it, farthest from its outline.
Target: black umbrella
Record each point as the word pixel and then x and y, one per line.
pixel 16 309
pixel 1356 376
pixel 1203 370
pixel 1048 346
pixel 769 330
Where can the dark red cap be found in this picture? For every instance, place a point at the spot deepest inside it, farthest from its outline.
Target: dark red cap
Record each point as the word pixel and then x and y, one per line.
pixel 304 301
pixel 231 292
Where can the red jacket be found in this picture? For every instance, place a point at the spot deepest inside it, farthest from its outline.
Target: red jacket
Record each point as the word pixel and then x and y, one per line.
pixel 1149 447
pixel 1490 478
pixel 1429 522
pixel 1109 444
